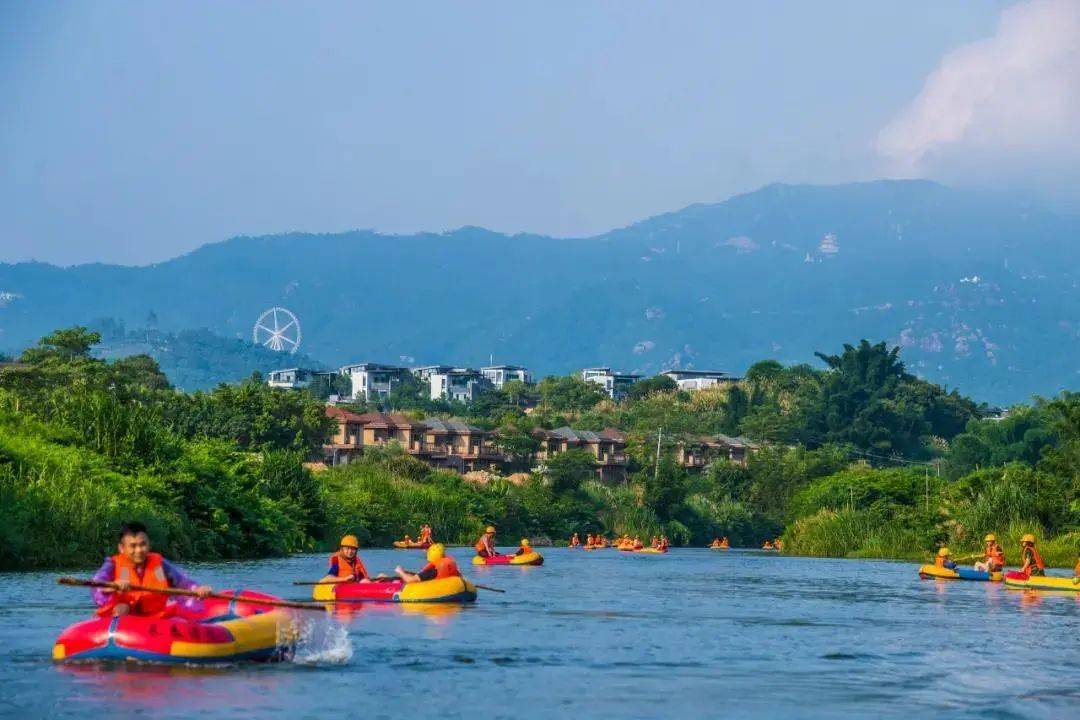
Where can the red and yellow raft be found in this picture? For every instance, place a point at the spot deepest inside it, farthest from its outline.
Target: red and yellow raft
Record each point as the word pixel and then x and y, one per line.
pixel 411 545
pixel 441 590
pixel 221 631
pixel 532 558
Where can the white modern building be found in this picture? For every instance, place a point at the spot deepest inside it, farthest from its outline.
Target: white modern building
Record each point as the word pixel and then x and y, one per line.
pixel 499 375
pixel 698 379
pixel 460 384
pixel 291 378
pixel 615 384
pixel 373 381
pixel 424 372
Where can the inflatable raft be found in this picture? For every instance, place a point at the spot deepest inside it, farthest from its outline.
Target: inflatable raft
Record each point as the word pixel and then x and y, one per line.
pixel 445 590
pixel 1023 581
pixel 651 551
pixel 926 572
pixel 533 558
pixel 410 545
pixel 222 631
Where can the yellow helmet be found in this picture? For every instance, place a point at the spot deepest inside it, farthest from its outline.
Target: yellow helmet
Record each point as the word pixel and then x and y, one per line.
pixel 525 542
pixel 1028 538
pixel 436 552
pixel 489 529
pixel 349 541
pixel 990 538
pixel 943 552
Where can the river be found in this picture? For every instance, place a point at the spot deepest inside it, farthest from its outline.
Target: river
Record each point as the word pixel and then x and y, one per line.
pixel 694 633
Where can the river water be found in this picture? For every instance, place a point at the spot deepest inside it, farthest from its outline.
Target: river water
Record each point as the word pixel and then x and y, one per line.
pixel 695 633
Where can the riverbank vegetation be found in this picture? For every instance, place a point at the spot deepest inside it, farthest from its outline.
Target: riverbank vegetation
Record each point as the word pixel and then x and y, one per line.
pixel 858 458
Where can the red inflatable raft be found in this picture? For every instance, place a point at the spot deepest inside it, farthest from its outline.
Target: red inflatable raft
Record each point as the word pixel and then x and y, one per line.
pixel 220 631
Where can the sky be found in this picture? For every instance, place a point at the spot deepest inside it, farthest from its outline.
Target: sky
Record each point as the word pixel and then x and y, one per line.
pixel 132 132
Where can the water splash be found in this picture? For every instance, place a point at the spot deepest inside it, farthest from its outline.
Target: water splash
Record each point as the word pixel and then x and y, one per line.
pixel 322 642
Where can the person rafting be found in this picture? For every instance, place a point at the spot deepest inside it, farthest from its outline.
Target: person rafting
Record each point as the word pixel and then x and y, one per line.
pixel 440 565
pixel 767 546
pixel 134 564
pixel 525 548
pixel 345 564
pixel 994 556
pixel 425 534
pixel 575 541
pixel 943 560
pixel 1032 562
pixel 778 544
pixel 638 545
pixel 590 541
pixel 664 544
pixel 485 545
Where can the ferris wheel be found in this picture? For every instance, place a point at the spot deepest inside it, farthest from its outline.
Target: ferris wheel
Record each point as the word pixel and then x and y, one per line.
pixel 277 329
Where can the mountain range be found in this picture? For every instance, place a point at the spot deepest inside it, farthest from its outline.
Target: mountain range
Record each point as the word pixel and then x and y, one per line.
pixel 979 290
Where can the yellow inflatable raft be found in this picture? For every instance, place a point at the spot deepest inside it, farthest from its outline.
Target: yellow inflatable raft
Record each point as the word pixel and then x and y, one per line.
pixel 1020 581
pixel 453 589
pixel 533 558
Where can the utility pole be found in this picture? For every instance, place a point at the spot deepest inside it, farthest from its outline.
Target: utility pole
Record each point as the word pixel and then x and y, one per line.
pixel 656 468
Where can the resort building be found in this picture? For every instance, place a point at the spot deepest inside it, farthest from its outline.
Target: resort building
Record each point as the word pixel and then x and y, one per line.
pixel 696 453
pixel 291 378
pixel 372 381
pixel 607 446
pixel 615 384
pixel 698 379
pixel 499 375
pixel 441 443
pixel 457 384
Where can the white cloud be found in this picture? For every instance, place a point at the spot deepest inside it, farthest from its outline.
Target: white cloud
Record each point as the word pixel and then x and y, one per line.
pixel 1006 104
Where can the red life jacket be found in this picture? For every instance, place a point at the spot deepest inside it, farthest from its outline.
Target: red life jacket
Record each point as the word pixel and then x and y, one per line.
pixel 351 569
pixel 140 602
pixel 444 568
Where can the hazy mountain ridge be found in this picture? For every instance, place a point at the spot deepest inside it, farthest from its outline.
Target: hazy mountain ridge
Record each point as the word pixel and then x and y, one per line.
pixel 980 291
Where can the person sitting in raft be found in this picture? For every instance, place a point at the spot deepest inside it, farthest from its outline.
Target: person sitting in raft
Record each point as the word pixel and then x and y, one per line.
pixel 994 560
pixel 778 544
pixel 943 560
pixel 767 545
pixel 575 541
pixel 440 565
pixel 664 544
pixel 345 564
pixel 526 547
pixel 134 564
pixel 1032 561
pixel 638 545
pixel 485 546
pixel 724 542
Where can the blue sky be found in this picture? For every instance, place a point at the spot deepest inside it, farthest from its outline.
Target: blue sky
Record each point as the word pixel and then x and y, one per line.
pixel 132 132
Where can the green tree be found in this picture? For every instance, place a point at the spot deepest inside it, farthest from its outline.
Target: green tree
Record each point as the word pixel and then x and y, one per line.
pixel 666 488
pixel 567 470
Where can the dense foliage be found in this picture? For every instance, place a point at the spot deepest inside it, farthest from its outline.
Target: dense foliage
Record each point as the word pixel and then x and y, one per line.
pixel 859 458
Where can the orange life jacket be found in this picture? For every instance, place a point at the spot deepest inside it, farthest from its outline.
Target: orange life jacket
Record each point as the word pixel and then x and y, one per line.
pixel 482 545
pixel 140 602
pixel 940 561
pixel 996 556
pixel 1036 558
pixel 351 569
pixel 444 567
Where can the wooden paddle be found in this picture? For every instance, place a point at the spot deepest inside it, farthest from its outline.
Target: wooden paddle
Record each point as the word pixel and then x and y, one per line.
pixel 191 593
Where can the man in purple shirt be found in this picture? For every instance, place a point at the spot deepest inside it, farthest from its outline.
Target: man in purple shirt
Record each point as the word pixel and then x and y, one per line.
pixel 134 564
